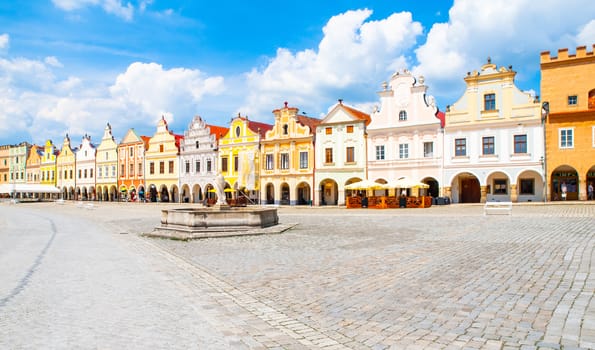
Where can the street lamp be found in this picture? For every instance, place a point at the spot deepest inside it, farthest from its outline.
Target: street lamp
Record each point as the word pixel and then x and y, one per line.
pixel 545 111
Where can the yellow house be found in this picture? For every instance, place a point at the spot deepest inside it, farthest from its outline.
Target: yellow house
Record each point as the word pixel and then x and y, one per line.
pixel 47 167
pixel 239 156
pixel 65 168
pixel 162 165
pixel 568 95
pixel 287 153
pixel 106 163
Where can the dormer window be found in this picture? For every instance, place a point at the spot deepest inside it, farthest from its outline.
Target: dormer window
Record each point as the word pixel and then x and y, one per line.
pixel 238 131
pixel 285 129
pixel 402 115
pixel 197 144
pixel 489 102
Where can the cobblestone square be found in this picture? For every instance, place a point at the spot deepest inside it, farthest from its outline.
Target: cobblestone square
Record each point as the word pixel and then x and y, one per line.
pixel 445 277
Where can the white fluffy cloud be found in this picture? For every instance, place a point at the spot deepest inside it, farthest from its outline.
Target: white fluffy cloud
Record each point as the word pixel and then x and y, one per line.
pixel 34 102
pixel 114 7
pixel 153 91
pixel 351 52
pixel 586 36
pixel 4 40
pixel 511 33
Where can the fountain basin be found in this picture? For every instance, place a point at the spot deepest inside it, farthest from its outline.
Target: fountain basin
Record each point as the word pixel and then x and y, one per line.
pixel 190 223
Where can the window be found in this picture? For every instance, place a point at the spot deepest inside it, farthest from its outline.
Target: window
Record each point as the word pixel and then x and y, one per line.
pixel 131 152
pixel 171 166
pixel 71 176
pixel 113 171
pixel 593 136
pixel 380 152
pixel 285 129
pixel 402 115
pixel 350 129
pixel 488 145
pixel 403 151
pixel 566 140
pixel 224 161
pixel 489 102
pixel 270 163
pixel 350 154
pixel 91 173
pixel 328 131
pixel 121 170
pixel 238 130
pixel 197 144
pixel 284 163
pixel 140 169
pixel 187 167
pixel 236 163
pixel 303 160
pixel 99 174
pixel 328 155
pixel 197 166
pixel 161 167
pixel 527 186
pixel 500 186
pixel 85 173
pixel 520 144
pixel 460 147
pixel 80 173
pixel 151 168
pixel 161 148
pixel 428 149
pixel 572 100
pixel 208 165
pixel 106 156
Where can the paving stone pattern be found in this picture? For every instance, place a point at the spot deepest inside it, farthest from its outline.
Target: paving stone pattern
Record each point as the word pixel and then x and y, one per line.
pixel 439 278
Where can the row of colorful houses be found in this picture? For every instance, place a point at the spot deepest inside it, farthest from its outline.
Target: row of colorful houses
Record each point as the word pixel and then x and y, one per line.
pixel 495 143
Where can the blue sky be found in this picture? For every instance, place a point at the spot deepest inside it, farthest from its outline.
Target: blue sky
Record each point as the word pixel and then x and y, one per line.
pixel 71 66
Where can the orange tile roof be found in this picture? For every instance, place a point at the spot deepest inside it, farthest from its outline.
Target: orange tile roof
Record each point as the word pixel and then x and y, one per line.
pixel 218 131
pixel 357 113
pixel 310 122
pixel 256 126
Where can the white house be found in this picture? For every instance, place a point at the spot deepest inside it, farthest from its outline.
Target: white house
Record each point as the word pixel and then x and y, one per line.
pixel 85 169
pixel 405 136
pixel 340 153
pixel 494 141
pixel 198 159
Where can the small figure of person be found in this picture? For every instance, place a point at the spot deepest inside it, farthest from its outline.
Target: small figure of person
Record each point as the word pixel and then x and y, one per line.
pixel 564 189
pixel 590 191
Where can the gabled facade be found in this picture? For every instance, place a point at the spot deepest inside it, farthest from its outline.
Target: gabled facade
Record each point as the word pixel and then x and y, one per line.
pixel 106 167
pixel 18 162
pixel 33 172
pixel 198 159
pixel 493 141
pixel 85 170
pixel 47 167
pixel 66 170
pixel 239 155
pixel 287 153
pixel 405 136
pixel 4 164
pixel 162 165
pixel 131 162
pixel 568 93
pixel 341 154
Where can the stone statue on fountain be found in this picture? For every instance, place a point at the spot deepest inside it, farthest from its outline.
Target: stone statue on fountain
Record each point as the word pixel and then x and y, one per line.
pixel 220 188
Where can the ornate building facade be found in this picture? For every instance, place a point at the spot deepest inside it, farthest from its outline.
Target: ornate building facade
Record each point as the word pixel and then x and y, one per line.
pixel 493 141
pixel 287 153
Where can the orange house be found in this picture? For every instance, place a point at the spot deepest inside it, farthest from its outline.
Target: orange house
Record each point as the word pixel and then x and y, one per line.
pixel 568 95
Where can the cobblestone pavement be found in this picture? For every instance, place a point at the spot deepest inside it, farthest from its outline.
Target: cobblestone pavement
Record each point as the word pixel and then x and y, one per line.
pixel 445 277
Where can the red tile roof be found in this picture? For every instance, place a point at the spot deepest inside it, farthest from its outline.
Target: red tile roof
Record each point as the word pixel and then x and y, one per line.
pixel 357 113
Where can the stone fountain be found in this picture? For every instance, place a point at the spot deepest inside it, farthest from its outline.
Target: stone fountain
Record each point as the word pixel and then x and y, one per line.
pixel 219 220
